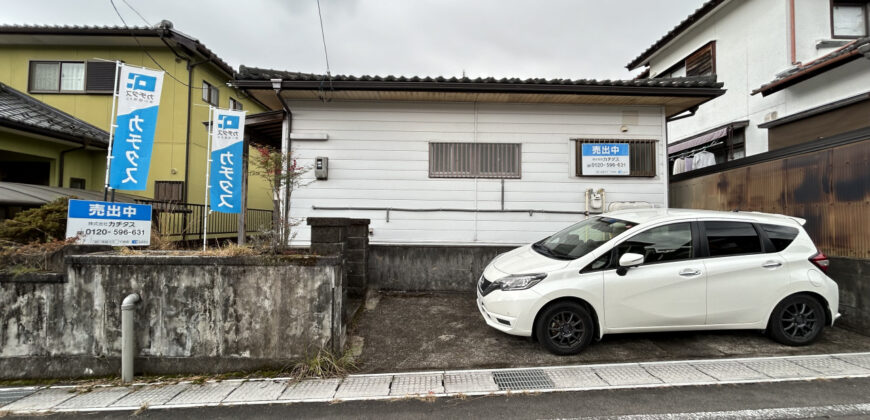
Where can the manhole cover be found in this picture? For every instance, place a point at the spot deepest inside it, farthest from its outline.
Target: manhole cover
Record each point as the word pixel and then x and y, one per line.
pixel 522 379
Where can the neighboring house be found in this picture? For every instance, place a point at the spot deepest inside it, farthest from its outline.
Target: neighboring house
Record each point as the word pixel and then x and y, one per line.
pixel 64 75
pixel 463 161
pixel 795 71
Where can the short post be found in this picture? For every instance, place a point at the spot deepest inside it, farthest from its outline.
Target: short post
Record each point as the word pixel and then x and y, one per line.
pixel 128 338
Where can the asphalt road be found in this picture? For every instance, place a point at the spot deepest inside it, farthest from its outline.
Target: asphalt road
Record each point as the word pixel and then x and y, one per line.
pixel 846 398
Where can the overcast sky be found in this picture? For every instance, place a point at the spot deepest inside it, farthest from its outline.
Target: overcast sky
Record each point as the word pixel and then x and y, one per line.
pixel 500 38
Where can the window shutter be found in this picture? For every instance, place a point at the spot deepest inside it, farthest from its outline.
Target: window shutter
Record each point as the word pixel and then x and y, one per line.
pixel 702 62
pixel 100 77
pixel 475 160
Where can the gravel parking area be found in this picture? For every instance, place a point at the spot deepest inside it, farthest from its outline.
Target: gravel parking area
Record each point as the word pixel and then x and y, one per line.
pixel 411 332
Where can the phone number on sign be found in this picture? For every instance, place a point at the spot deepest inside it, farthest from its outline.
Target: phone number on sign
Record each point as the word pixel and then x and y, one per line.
pixel 118 232
pixel 607 165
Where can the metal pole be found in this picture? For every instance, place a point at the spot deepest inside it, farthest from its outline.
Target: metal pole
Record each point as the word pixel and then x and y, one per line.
pixel 112 126
pixel 243 212
pixel 128 338
pixel 207 173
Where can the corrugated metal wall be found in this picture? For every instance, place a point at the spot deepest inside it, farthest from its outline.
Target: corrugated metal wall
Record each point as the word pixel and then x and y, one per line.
pixel 830 188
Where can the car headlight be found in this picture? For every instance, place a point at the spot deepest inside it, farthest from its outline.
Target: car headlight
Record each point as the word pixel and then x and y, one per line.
pixel 520 281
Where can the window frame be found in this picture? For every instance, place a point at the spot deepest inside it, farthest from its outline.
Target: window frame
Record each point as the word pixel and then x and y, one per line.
pixel 613 251
pixel 213 95
pixel 682 62
pixel 236 105
pixel 763 241
pixel 864 5
pixel 474 162
pixel 31 65
pixel 73 180
pixel 578 157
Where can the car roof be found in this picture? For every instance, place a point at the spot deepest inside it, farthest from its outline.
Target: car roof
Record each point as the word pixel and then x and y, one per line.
pixel 663 214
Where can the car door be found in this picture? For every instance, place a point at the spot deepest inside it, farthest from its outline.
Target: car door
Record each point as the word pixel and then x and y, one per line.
pixel 668 290
pixel 742 280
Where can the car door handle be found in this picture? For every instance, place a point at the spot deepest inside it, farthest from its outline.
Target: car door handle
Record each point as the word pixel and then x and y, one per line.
pixel 689 272
pixel 772 264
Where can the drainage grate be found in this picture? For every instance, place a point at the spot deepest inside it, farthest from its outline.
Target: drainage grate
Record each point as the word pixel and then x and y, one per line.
pixel 522 379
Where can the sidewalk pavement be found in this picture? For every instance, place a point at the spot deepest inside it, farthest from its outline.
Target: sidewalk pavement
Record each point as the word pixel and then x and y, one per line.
pixel 31 400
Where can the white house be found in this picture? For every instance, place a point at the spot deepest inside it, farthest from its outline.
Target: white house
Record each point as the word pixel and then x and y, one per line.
pixel 472 161
pixel 794 70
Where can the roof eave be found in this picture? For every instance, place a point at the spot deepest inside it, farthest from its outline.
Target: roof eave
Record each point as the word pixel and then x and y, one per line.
pixel 806 74
pixel 485 88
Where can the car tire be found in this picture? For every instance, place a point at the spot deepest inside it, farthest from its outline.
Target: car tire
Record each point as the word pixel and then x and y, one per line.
pixel 797 321
pixel 565 328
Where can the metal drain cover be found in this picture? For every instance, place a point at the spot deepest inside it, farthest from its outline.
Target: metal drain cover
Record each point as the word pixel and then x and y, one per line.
pixel 522 379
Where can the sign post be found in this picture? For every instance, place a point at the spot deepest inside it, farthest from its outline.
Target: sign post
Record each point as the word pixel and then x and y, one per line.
pixel 138 100
pixel 225 165
pixel 606 159
pixel 104 223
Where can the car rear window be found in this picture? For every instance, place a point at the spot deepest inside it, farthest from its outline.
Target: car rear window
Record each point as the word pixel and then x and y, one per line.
pixel 731 238
pixel 780 236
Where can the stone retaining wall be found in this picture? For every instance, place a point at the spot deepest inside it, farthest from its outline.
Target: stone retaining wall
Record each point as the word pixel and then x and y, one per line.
pixel 198 314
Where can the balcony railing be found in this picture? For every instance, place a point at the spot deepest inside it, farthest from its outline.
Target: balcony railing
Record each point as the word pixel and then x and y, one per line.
pixel 183 221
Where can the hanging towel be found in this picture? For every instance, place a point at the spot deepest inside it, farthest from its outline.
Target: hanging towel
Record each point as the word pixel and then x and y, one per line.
pixel 679 166
pixel 688 166
pixel 704 159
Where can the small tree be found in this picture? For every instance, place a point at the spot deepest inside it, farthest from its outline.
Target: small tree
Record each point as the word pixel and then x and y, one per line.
pixel 284 175
pixel 42 224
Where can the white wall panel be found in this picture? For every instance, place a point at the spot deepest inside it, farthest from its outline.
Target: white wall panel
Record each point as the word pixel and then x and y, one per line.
pixel 378 157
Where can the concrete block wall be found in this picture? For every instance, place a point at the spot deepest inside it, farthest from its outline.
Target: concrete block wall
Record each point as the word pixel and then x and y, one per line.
pixel 347 239
pixel 198 314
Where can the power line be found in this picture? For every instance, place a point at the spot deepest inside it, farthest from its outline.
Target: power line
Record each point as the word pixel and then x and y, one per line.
pixel 323 38
pixel 137 13
pixel 133 34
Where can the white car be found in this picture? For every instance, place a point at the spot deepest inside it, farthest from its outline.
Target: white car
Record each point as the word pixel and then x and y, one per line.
pixel 662 270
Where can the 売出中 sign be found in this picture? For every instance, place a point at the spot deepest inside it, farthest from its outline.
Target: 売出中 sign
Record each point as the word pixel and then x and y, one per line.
pixel 104 223
pixel 138 101
pixel 605 159
pixel 227 147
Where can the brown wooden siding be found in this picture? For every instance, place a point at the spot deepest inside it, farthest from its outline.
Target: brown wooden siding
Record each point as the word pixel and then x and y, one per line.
pixel 845 119
pixel 830 188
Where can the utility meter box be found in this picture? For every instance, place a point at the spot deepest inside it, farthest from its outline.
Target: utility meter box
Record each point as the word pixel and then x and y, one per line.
pixel 321 167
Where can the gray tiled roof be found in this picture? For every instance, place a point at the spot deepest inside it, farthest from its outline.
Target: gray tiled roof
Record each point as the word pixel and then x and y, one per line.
pixel 687 23
pixel 253 73
pixel 22 112
pixel 851 51
pixel 163 30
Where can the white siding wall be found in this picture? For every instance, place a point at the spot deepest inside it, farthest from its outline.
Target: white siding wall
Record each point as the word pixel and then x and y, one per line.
pixel 378 157
pixel 752 46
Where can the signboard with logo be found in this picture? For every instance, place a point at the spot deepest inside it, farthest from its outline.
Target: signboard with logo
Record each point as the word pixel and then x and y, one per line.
pixel 138 101
pixel 227 148
pixel 104 223
pixel 605 159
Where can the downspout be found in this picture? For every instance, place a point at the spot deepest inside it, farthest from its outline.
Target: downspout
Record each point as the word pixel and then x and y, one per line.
pixel 791 32
pixel 284 210
pixel 190 66
pixel 60 161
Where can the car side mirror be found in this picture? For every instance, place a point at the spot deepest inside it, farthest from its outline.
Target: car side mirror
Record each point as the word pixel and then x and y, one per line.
pixel 627 261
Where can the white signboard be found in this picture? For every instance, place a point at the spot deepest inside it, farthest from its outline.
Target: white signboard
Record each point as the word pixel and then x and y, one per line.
pixel 103 223
pixel 605 159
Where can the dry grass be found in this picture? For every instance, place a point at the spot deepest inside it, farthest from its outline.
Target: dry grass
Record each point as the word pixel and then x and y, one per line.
pixel 230 250
pixel 324 364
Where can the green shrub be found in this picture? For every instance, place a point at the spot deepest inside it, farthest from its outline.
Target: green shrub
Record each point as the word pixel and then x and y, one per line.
pixel 42 224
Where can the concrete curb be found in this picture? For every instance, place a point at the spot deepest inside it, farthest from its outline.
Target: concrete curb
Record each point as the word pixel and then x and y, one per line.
pixel 436 384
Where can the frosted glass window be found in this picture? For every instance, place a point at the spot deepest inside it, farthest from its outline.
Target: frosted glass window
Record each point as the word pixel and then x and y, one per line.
pixel 72 76
pixel 850 21
pixel 45 76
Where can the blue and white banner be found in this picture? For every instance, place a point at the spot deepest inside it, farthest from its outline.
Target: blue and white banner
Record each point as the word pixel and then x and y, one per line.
pixel 227 148
pixel 605 159
pixel 103 223
pixel 138 100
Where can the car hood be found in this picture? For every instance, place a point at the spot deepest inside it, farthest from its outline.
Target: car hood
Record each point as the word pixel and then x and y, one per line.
pixel 524 260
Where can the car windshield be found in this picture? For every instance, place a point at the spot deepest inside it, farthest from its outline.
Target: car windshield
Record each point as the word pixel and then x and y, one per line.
pixel 581 238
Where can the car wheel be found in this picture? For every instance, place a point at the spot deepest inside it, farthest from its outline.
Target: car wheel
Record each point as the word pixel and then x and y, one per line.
pixel 565 328
pixel 797 320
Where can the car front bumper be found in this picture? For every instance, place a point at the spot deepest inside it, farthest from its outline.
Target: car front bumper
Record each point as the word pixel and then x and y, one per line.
pixel 508 312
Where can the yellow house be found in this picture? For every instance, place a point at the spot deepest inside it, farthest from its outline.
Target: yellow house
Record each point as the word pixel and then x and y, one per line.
pixel 71 69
